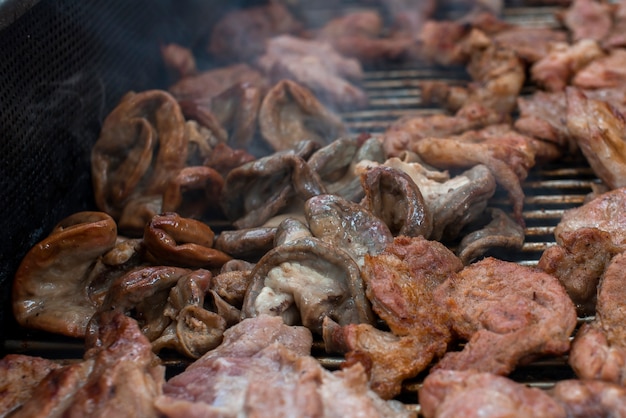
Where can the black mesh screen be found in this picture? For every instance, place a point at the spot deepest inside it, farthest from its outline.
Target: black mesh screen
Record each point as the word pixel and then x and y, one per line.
pixel 63 66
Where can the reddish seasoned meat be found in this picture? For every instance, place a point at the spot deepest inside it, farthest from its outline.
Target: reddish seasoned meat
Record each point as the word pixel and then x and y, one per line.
pixel 617 37
pixel 263 369
pixel 542 116
pixel 440 42
pixel 599 349
pixel 508 154
pixel 590 398
pixel 605 71
pixel 587 19
pixel 599 131
pixel 317 66
pixel 19 376
pixel 405 132
pixel 120 376
pixel 508 313
pixel 587 237
pixel 447 394
pixel 530 43
pixel 556 69
pixel 399 282
pixel 240 35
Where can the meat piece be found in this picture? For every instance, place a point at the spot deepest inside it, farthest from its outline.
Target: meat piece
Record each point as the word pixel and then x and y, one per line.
pixel 231 285
pixel 599 349
pixel 599 132
pixel 388 359
pixel 399 284
pixel 193 192
pixel 408 16
pixel 317 66
pixel 510 314
pixel 346 225
pixel 587 237
pixel 208 84
pixel 587 19
pixel 290 113
pixel 120 376
pixel 440 42
pixel 408 130
pixel 246 243
pixel 395 198
pixel 605 71
pixel 448 393
pixel 508 154
pixel 273 377
pixel 590 398
pixel 501 232
pixel 530 43
pixel 453 202
pixel 304 281
pixel 498 74
pixel 359 35
pixel 556 69
pixel 178 60
pixel 337 162
pixel 20 375
pixel 543 116
pixel 142 145
pixel 184 242
pixel 240 35
pixel 53 289
pixel 616 38
pixel 258 190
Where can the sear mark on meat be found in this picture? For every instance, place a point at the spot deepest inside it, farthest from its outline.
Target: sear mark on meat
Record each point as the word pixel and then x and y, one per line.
pixel 346 225
pixel 291 113
pixel 450 393
pixel 304 281
pixel 509 314
pixel 599 132
pixel 599 349
pixel 399 284
pixel 119 376
pixel 19 376
pixel 587 237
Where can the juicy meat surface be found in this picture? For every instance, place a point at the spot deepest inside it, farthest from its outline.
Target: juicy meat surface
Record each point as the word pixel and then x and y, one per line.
pixel 587 19
pixel 588 237
pixel 599 132
pixel 448 393
pixel 263 369
pixel 599 349
pixel 542 116
pixel 400 282
pixel 508 313
pixel 19 376
pixel 590 398
pixel 120 376
pixel 606 71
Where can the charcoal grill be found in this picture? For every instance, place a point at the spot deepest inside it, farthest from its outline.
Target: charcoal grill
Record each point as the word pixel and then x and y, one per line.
pixel 64 65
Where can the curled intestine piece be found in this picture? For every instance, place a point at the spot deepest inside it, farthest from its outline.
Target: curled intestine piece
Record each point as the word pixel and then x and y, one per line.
pixel 52 289
pixel 174 240
pixel 193 191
